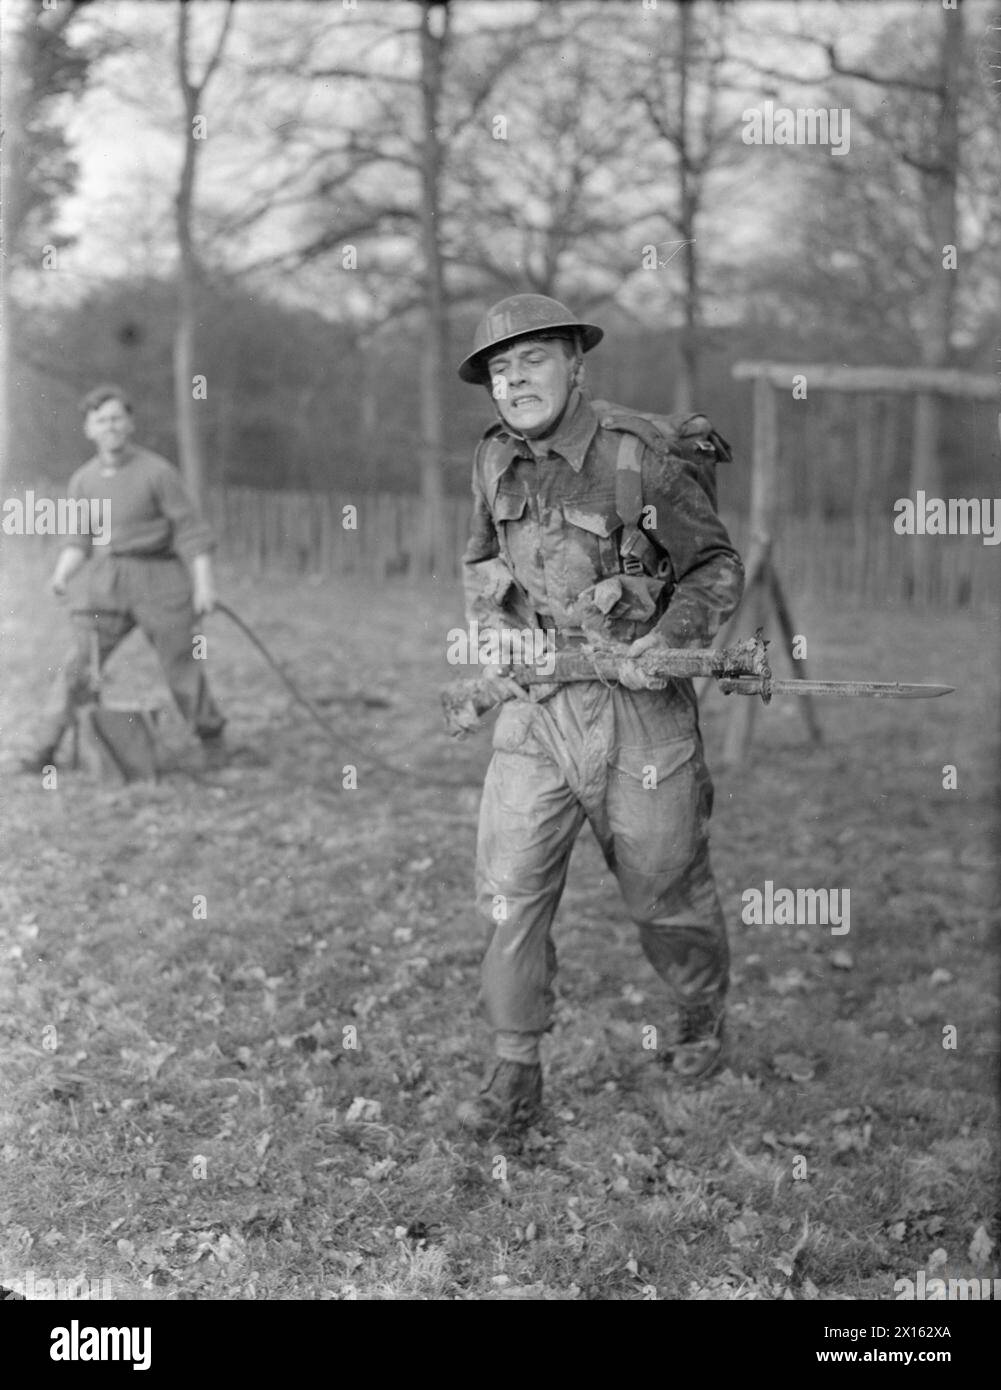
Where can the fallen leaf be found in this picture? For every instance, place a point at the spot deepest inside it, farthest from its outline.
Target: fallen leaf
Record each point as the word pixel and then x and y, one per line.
pixel 365 1110
pixel 793 1066
pixel 980 1246
pixel 381 1169
pixel 852 1140
pixel 791 980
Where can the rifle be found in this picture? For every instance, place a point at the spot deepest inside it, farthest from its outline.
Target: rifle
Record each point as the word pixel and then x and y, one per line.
pixel 741 669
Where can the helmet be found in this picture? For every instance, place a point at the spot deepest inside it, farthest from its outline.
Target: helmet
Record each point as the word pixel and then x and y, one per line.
pixel 522 316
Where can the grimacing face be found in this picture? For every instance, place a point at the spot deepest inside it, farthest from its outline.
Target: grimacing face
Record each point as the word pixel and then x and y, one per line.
pixel 109 427
pixel 531 380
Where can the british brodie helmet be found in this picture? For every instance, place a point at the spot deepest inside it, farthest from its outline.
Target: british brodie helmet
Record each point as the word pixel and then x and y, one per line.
pixel 522 316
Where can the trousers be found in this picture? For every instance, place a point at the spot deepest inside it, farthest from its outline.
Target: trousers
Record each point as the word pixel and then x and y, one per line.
pixel 127 592
pixel 631 764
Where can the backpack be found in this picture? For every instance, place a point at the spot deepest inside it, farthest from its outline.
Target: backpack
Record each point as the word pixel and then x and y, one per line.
pixel 690 437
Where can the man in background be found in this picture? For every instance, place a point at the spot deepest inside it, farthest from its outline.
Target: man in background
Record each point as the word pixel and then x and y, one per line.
pixel 149 567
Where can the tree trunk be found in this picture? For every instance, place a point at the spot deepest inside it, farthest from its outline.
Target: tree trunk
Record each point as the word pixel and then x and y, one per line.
pixel 686 385
pixel 368 407
pixel 189 437
pixel 189 444
pixel 434 352
pixel 189 440
pixel 926 463
pixel 926 459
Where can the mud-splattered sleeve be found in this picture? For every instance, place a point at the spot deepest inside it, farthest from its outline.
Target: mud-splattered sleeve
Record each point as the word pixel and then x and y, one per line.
pixel 486 578
pixel 708 573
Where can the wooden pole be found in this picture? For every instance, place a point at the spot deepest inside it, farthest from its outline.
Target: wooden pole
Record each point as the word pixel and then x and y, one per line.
pixel 799 667
pixel 764 460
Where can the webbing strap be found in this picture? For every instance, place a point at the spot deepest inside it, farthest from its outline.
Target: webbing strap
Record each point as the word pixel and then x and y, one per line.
pixel 628 480
pixel 638 552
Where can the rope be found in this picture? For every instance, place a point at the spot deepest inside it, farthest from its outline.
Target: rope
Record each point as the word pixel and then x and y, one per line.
pixel 609 685
pixel 334 736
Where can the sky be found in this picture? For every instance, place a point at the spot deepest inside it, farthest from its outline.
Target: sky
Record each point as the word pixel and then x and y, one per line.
pixel 125 130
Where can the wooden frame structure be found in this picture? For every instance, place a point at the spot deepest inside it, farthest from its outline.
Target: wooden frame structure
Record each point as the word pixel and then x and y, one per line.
pixel 763 587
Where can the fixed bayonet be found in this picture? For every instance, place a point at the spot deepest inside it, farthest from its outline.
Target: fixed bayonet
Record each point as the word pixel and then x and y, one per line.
pixel 741 669
pixel 877 690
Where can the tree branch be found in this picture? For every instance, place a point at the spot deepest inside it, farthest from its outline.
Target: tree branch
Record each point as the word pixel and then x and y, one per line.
pixel 910 84
pixel 216 54
pixel 360 73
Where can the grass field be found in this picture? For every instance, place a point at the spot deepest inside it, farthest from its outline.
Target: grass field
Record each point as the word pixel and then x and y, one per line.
pixel 182 1118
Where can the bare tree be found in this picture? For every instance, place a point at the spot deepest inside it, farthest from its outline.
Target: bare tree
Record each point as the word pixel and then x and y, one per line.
pixel 434 353
pixel 689 122
pixel 908 188
pixel 384 179
pixel 553 192
pixel 185 339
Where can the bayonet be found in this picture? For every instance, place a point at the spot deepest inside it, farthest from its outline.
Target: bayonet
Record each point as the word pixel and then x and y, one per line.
pixel 741 669
pixel 878 690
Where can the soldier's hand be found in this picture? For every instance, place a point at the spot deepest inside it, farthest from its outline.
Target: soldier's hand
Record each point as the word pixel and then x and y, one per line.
pixel 632 675
pixel 653 642
pixel 502 687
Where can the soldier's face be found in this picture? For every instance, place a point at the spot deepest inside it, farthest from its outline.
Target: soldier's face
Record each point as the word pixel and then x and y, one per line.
pixel 110 427
pixel 530 381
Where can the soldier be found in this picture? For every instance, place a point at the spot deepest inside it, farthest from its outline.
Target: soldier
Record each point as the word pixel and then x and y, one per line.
pixel 546 550
pixel 136 577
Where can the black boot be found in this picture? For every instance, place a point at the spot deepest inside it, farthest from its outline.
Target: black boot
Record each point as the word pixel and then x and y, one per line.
pixel 510 1100
pixel 699 1049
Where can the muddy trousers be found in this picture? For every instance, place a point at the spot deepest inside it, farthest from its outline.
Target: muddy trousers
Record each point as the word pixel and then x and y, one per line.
pixel 158 599
pixel 631 764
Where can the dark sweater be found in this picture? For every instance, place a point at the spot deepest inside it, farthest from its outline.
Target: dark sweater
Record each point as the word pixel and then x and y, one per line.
pixel 147 506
